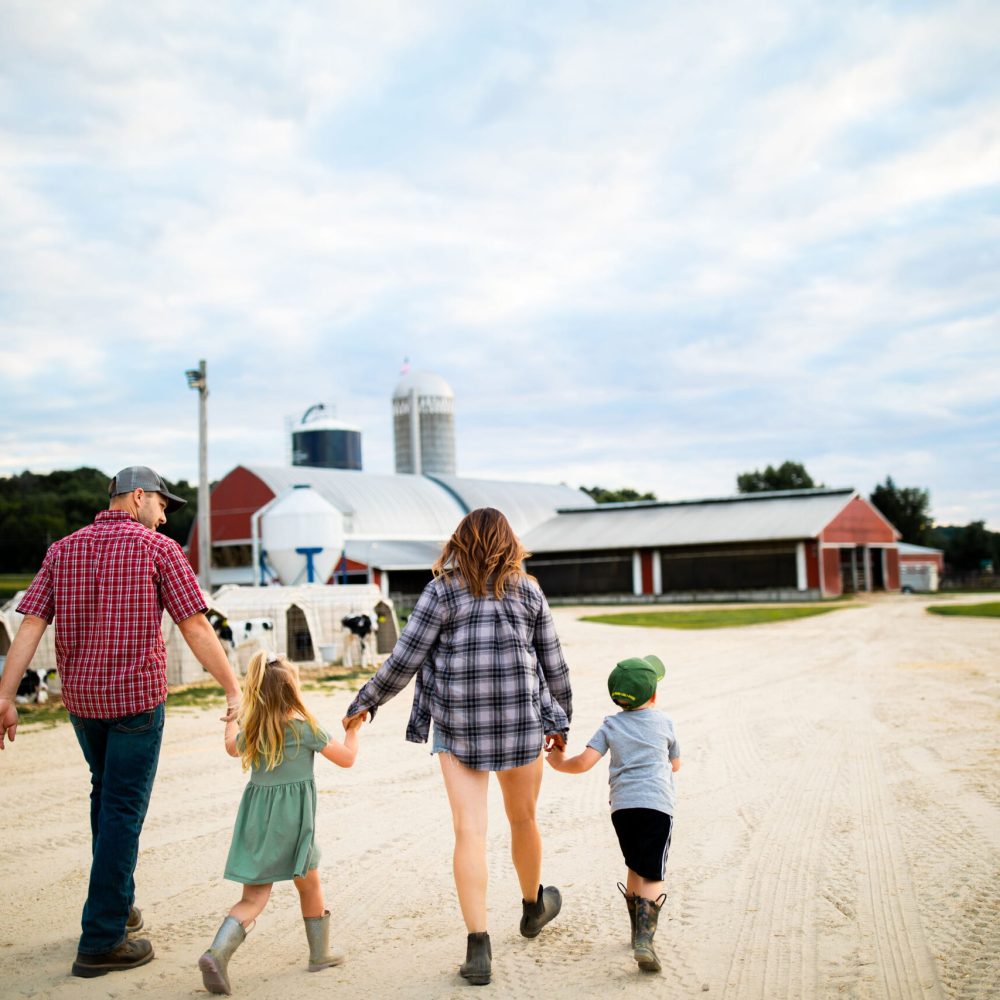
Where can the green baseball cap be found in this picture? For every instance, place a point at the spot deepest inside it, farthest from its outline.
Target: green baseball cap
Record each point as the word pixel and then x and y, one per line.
pixel 633 681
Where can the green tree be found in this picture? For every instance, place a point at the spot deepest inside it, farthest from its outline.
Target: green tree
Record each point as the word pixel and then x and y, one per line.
pixel 788 476
pixel 907 508
pixel 37 509
pixel 972 548
pixel 624 495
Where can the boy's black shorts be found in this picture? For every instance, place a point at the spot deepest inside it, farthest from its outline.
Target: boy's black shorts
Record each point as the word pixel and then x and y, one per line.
pixel 644 836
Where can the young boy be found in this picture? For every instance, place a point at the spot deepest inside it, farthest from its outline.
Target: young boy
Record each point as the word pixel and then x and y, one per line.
pixel 644 755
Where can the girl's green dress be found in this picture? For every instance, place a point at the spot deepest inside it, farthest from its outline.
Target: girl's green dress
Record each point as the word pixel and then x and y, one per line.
pixel 273 840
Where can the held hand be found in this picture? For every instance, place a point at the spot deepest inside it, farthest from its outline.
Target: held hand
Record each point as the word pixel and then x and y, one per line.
pixel 232 710
pixel 349 722
pixel 8 720
pixel 555 741
pixel 352 724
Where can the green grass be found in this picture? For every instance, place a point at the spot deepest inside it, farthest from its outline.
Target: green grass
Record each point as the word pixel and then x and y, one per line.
pixel 991 609
pixel 193 696
pixel 710 617
pixel 46 716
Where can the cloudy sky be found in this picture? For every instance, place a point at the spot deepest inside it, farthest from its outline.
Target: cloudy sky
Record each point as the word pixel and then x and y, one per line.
pixel 651 244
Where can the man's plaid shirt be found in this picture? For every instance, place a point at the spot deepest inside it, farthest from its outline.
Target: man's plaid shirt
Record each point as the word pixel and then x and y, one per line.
pixel 107 586
pixel 490 673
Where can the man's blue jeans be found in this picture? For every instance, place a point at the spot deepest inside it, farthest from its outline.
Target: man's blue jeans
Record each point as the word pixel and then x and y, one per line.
pixel 122 755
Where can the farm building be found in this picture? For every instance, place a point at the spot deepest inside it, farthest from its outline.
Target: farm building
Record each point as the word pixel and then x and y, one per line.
pixel 793 544
pixel 397 521
pixel 920 568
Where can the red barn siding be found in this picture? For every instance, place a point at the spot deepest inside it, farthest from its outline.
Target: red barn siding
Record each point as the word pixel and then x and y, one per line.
pixel 647 572
pixel 812 565
pixel 859 523
pixel 921 559
pixel 235 498
pixel 832 585
pixel 892 569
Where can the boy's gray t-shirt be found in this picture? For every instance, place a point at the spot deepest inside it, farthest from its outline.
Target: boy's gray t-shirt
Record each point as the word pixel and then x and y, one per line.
pixel 642 745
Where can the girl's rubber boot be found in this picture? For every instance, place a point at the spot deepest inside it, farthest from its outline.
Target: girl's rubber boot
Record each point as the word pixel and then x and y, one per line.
pixel 646 913
pixel 535 915
pixel 630 904
pixel 214 964
pixel 318 936
pixel 478 964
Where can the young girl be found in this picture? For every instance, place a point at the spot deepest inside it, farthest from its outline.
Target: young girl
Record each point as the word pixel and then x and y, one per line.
pixel 276 736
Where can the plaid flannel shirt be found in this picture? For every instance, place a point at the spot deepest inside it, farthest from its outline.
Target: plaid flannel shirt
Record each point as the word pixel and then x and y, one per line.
pixel 107 586
pixel 490 673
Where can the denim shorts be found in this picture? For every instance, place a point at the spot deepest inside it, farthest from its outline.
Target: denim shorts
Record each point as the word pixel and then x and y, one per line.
pixel 437 741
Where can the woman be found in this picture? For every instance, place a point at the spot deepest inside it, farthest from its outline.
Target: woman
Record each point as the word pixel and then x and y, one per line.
pixel 492 679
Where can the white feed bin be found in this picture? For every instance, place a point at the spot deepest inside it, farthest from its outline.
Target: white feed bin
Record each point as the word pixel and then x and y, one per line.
pixel 300 530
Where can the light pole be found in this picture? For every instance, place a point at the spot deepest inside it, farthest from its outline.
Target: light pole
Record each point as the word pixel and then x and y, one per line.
pixel 197 379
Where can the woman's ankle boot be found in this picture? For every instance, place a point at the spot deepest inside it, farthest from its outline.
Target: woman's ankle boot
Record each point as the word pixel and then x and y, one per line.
pixel 318 936
pixel 536 914
pixel 214 964
pixel 630 904
pixel 478 965
pixel 646 913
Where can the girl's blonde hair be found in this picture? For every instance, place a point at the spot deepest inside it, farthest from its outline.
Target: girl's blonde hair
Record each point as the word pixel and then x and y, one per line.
pixel 270 698
pixel 484 552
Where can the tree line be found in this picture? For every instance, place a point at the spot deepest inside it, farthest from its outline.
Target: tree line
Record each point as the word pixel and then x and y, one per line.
pixel 37 509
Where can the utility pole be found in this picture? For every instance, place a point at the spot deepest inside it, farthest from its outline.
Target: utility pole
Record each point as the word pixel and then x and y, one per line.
pixel 198 379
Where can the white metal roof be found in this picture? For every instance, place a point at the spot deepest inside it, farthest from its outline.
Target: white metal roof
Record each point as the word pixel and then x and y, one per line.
pixel 754 517
pixel 526 505
pixel 906 549
pixel 419 508
pixel 374 506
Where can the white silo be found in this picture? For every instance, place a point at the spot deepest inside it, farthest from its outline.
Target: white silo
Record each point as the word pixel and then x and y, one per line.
pixel 423 414
pixel 302 536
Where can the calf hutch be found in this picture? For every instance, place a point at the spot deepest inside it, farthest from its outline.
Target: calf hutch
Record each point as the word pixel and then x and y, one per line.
pixel 796 544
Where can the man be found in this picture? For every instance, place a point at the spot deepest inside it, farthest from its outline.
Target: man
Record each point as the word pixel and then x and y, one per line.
pixel 107 586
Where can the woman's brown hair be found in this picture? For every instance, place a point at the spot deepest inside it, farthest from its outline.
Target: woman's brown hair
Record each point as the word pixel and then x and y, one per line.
pixel 484 552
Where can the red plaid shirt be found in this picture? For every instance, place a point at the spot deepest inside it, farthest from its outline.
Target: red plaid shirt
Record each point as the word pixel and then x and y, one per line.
pixel 107 586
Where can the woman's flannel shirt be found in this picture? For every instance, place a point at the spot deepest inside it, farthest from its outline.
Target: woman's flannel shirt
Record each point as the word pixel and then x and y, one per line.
pixel 490 673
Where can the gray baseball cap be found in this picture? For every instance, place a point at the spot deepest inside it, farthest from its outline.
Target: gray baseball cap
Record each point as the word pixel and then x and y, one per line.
pixel 141 477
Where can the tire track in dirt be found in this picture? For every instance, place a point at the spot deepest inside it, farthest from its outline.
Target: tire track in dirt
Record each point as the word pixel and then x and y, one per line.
pixel 893 933
pixel 775 947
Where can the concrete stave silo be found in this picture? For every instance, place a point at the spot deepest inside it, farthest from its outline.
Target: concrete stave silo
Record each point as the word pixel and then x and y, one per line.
pixel 423 411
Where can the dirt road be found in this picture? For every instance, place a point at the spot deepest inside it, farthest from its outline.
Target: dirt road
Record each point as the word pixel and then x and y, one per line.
pixel 838 835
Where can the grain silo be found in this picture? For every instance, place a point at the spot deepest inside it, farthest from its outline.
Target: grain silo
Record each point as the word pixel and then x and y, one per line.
pixel 322 442
pixel 423 412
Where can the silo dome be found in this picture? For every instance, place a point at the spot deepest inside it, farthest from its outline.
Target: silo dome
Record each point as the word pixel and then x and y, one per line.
pixel 425 384
pixel 423 411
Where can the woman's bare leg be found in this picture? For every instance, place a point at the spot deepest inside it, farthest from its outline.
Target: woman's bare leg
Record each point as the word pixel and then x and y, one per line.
pixel 467 797
pixel 520 787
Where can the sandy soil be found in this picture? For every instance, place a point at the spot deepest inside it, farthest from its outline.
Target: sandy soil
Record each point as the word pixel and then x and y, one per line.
pixel 838 835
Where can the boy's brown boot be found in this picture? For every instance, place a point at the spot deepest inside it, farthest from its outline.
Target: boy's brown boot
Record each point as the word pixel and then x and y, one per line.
pixel 318 936
pixel 646 913
pixel 630 904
